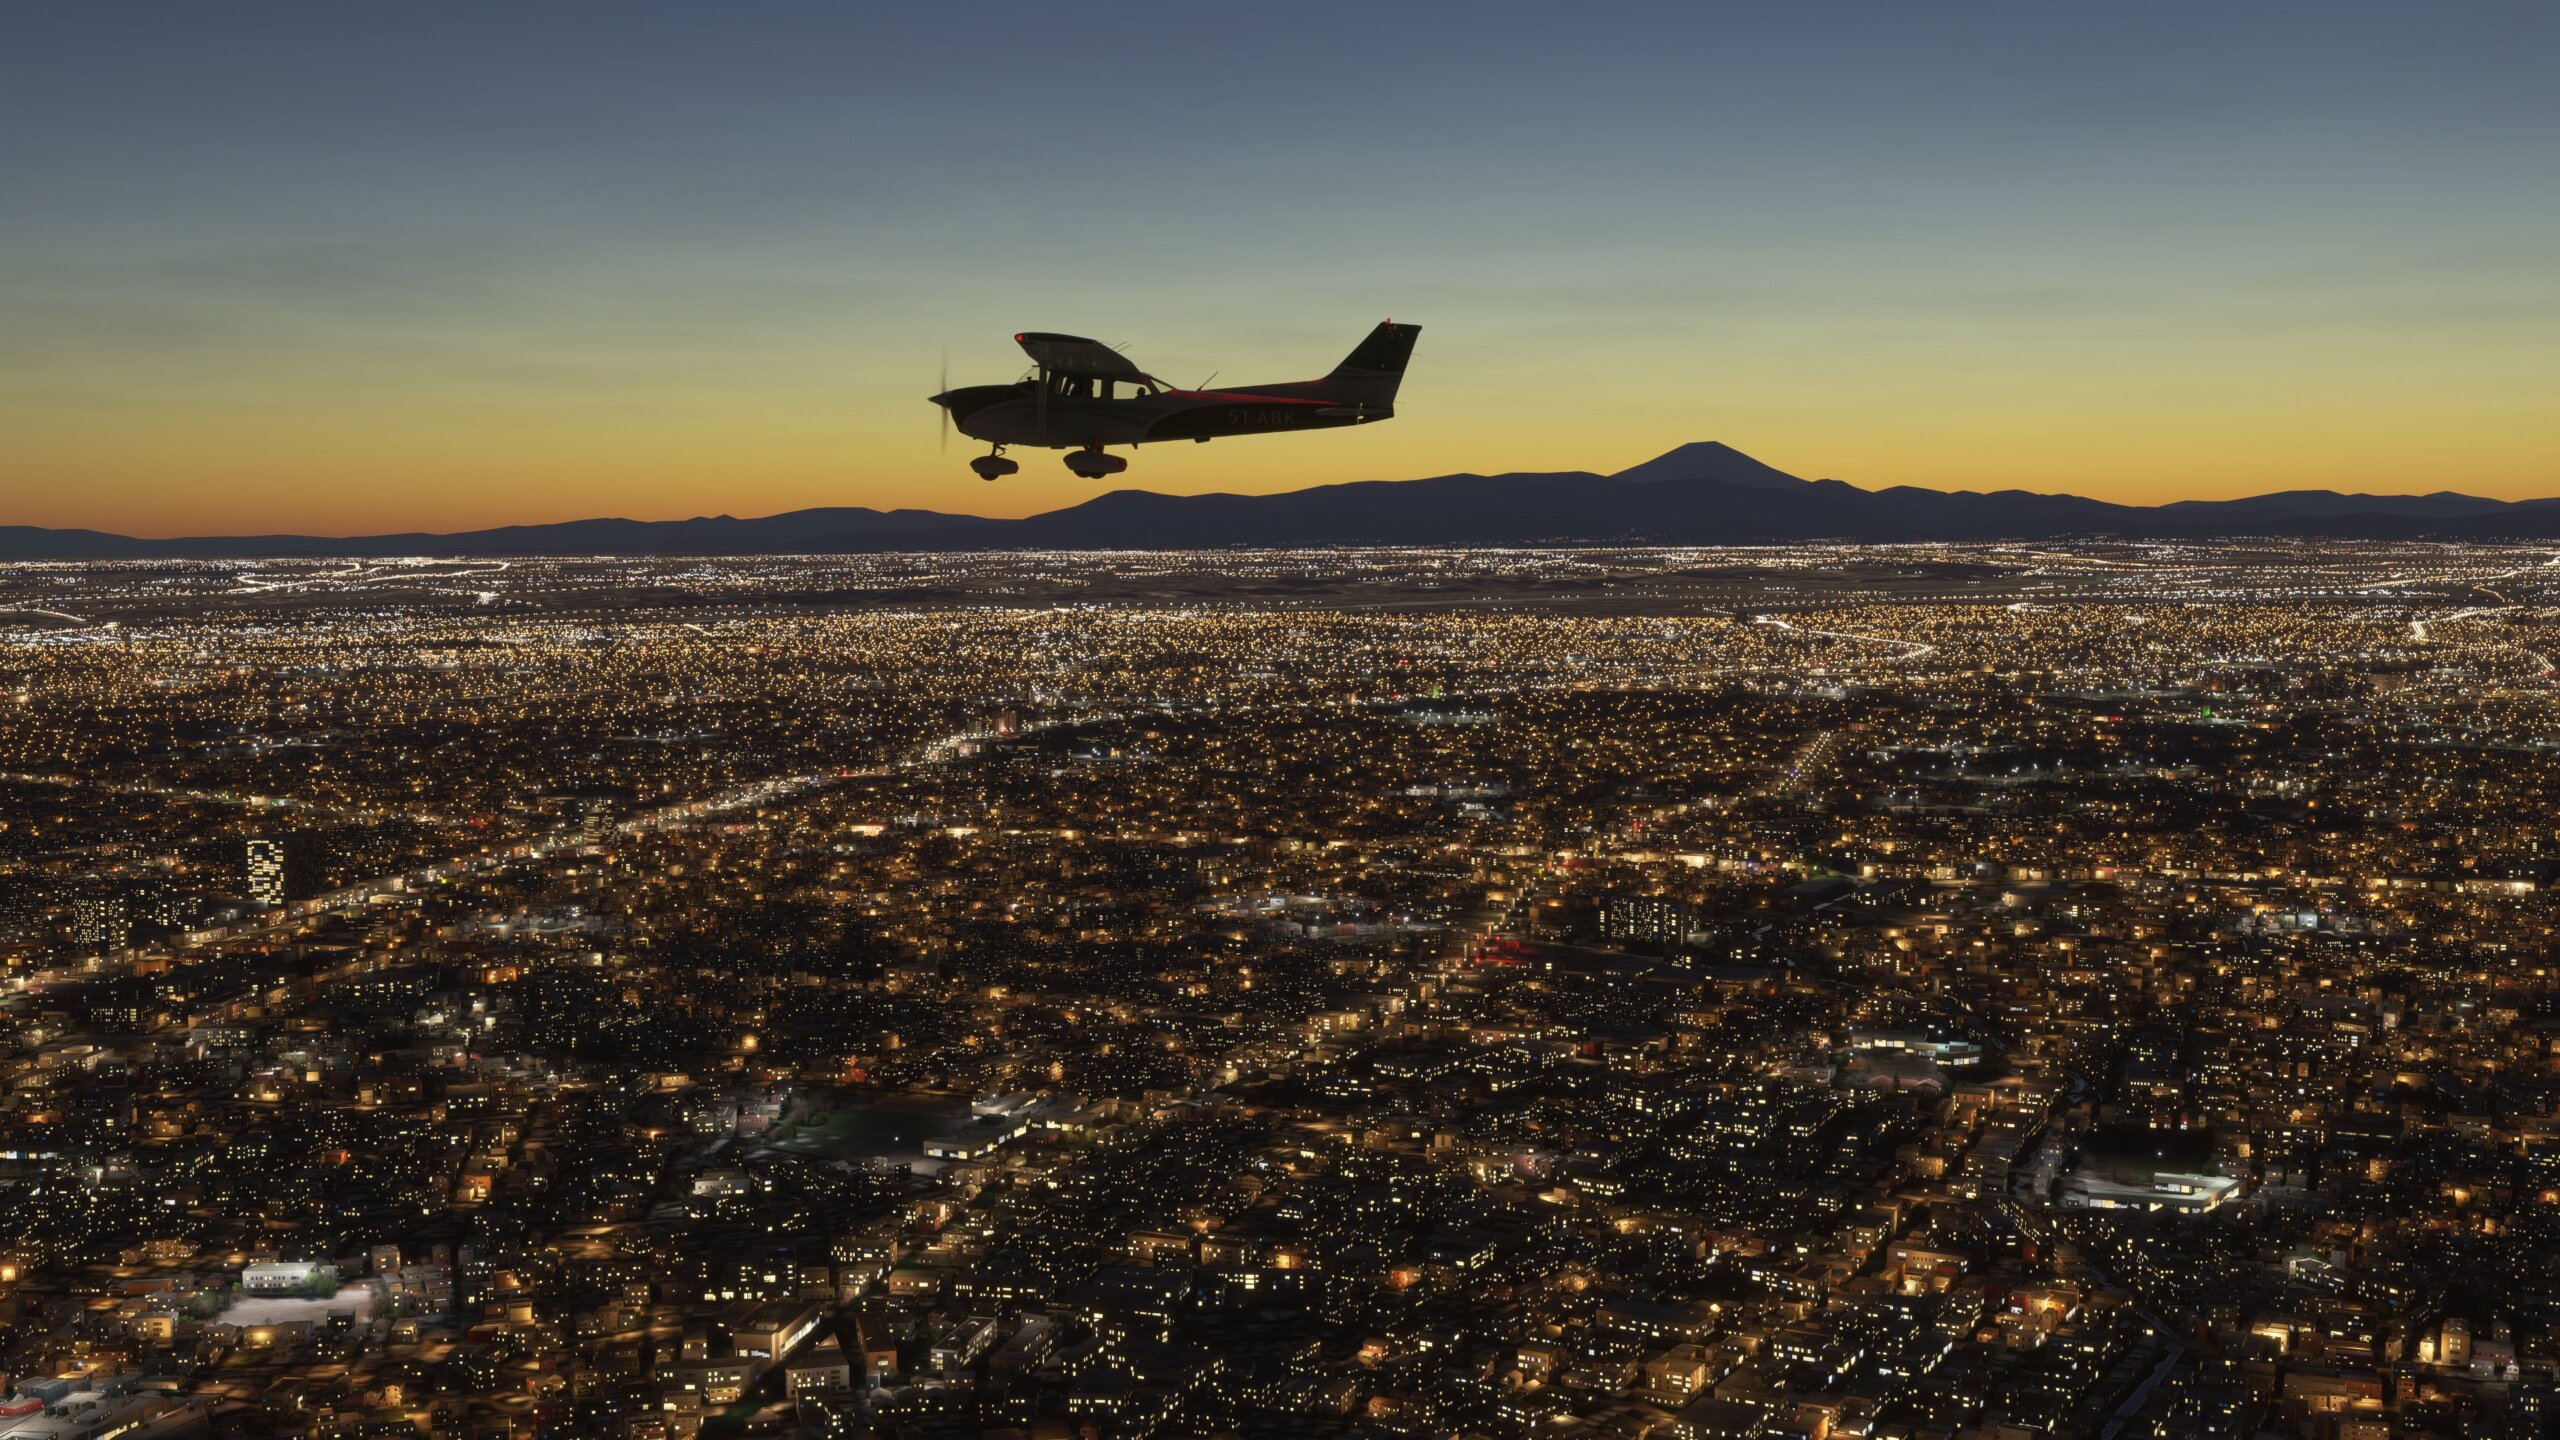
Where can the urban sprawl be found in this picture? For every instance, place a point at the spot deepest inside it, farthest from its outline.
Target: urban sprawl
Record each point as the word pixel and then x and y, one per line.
pixel 1822 993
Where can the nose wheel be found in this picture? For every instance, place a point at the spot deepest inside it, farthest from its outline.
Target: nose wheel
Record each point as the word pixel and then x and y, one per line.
pixel 993 465
pixel 1091 463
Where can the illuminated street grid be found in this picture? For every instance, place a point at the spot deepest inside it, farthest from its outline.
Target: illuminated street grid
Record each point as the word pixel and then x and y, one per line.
pixel 1964 991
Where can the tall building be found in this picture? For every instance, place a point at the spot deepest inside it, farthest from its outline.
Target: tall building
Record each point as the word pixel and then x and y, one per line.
pixel 1649 918
pixel 100 920
pixel 159 907
pixel 266 871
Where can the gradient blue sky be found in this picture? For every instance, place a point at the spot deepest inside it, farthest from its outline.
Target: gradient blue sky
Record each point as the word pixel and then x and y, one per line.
pixel 354 266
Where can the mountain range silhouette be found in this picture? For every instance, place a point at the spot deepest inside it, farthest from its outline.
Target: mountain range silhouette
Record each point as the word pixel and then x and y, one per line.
pixel 1706 493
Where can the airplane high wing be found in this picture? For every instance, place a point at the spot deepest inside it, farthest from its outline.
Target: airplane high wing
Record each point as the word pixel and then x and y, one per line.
pixel 1075 355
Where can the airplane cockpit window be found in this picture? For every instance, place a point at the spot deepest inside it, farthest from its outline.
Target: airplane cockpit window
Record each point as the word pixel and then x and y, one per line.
pixel 1095 387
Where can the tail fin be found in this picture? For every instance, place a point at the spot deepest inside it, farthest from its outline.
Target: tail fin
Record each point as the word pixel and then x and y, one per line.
pixel 1367 377
pixel 1370 374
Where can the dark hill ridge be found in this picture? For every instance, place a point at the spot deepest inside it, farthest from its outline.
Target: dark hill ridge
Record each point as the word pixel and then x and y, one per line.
pixel 1706 493
pixel 789 533
pixel 2314 504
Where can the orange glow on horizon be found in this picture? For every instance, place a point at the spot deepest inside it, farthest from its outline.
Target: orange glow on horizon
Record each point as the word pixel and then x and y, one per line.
pixel 195 449
pixel 452 485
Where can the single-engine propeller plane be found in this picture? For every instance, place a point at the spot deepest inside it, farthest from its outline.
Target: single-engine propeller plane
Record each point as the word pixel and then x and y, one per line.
pixel 1082 396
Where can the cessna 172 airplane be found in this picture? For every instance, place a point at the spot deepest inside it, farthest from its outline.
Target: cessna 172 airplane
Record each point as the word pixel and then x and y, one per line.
pixel 1083 395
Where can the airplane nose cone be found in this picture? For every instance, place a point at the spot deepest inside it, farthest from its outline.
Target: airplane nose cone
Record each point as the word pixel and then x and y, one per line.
pixel 962 401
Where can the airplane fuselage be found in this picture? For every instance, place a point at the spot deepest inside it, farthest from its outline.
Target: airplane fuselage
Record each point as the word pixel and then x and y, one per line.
pixel 1014 415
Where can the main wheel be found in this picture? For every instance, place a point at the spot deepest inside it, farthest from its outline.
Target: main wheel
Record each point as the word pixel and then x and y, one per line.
pixel 1094 464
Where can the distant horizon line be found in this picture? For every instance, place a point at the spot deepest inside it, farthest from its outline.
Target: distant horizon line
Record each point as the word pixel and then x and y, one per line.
pixel 964 517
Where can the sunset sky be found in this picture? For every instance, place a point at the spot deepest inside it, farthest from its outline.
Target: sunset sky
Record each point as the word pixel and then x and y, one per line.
pixel 340 267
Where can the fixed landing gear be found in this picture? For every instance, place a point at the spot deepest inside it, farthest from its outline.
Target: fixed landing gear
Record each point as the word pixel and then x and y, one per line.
pixel 993 465
pixel 1091 463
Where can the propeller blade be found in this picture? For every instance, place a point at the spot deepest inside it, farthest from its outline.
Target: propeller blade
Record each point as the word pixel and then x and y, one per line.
pixel 945 390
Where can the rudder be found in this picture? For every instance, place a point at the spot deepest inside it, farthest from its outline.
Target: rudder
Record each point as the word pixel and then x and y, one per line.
pixel 1376 367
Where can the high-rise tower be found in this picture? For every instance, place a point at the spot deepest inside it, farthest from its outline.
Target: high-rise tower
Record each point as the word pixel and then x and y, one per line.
pixel 266 871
